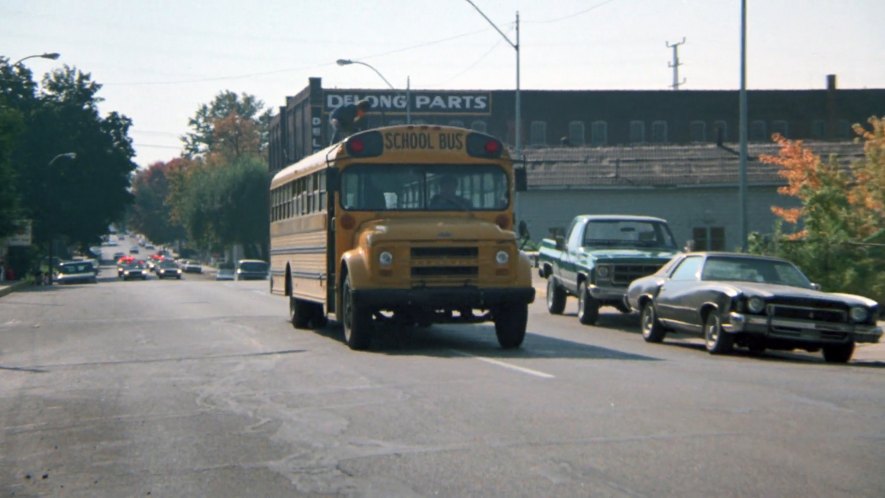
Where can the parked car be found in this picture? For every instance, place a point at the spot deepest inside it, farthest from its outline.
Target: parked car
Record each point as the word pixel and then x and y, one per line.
pixel 133 270
pixel 75 272
pixel 225 272
pixel 191 266
pixel 167 269
pixel 598 257
pixel 757 302
pixel 252 269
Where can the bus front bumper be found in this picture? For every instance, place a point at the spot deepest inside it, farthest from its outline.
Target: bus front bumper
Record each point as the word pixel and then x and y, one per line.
pixel 443 297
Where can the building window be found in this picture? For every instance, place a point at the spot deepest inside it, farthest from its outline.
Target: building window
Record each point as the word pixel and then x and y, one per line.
pixel 843 129
pixel 758 131
pixel 721 129
pixel 780 126
pixel 637 132
pixel 708 238
pixel 576 133
pixel 819 129
pixel 697 131
pixel 538 133
pixel 659 132
pixel 599 133
pixel 479 126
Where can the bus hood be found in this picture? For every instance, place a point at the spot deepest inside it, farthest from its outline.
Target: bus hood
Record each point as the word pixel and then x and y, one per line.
pixel 423 229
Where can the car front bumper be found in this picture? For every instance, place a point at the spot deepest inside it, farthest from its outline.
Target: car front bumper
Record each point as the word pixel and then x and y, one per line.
pixel 801 330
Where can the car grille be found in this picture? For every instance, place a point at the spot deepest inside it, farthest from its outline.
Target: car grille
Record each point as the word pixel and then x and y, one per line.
pixel 809 313
pixel 444 265
pixel 625 273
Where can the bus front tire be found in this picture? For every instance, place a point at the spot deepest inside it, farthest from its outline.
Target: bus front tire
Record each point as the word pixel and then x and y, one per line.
pixel 510 324
pixel 357 319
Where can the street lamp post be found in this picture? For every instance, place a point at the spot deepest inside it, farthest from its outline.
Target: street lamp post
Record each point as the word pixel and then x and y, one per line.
pixel 742 125
pixel 51 211
pixel 347 62
pixel 517 134
pixel 48 55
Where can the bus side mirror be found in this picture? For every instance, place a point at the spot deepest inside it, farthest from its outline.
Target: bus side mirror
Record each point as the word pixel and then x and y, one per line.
pixel 521 179
pixel 331 180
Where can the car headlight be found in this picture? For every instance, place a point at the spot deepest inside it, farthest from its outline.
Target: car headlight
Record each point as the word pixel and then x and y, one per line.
pixel 858 314
pixel 502 257
pixel 756 305
pixel 603 272
pixel 385 258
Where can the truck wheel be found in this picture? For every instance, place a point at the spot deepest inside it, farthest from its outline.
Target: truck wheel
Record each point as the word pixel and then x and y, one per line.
pixel 838 353
pixel 555 296
pixel 588 306
pixel 357 319
pixel 716 340
pixel 299 313
pixel 510 323
pixel 652 330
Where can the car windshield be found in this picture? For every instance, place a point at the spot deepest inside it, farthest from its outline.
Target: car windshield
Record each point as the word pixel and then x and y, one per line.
pixel 76 268
pixel 628 234
pixel 437 187
pixel 168 264
pixel 253 266
pixel 754 270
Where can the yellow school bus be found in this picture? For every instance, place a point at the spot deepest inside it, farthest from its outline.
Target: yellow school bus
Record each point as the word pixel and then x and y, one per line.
pixel 407 225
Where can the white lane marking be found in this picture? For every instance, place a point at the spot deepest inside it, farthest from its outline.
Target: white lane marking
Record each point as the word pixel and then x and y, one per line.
pixel 536 373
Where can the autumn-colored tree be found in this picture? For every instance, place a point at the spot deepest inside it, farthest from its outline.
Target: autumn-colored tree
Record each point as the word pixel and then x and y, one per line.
pixel 230 124
pixel 151 211
pixel 841 213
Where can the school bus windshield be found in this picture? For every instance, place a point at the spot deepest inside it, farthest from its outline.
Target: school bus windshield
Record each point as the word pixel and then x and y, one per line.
pixel 424 187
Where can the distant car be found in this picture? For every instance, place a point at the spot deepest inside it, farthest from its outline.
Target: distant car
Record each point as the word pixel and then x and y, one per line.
pixel 252 269
pixel 752 301
pixel 168 269
pixel 134 250
pixel 76 272
pixel 133 270
pixel 191 266
pixel 122 261
pixel 225 272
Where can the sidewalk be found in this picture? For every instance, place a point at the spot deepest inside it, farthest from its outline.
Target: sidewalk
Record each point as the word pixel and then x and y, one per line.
pixel 7 287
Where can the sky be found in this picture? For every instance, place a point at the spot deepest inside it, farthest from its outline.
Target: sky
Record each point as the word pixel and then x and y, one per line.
pixel 159 60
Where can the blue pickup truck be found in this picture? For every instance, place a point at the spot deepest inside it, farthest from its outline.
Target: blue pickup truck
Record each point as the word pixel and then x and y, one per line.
pixel 597 258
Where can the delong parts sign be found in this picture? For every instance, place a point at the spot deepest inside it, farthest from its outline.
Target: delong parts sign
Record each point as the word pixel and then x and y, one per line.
pixel 451 103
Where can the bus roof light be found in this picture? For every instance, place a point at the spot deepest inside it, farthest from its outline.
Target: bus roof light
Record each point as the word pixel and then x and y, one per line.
pixel 482 145
pixel 365 144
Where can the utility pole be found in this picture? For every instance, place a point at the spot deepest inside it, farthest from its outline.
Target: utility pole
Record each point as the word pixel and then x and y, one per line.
pixel 675 64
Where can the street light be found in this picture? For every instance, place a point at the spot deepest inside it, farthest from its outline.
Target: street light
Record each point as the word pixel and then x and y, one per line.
pixel 347 62
pixel 66 155
pixel 48 55
pixel 515 45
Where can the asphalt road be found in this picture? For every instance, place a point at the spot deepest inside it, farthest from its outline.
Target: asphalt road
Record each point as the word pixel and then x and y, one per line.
pixel 202 388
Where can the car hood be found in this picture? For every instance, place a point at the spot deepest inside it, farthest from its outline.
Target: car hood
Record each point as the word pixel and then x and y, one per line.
pixel 769 291
pixel 615 255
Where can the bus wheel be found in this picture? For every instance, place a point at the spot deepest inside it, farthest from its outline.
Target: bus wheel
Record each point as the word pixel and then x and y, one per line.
pixel 299 313
pixel 510 323
pixel 357 319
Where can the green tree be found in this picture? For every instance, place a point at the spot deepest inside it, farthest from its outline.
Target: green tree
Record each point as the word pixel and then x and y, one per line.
pixel 10 127
pixel 71 200
pixel 231 124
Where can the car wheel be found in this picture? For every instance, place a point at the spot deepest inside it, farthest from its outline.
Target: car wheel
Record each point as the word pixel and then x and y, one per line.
pixel 652 330
pixel 588 306
pixel 838 353
pixel 357 319
pixel 299 313
pixel 716 340
pixel 510 324
pixel 555 296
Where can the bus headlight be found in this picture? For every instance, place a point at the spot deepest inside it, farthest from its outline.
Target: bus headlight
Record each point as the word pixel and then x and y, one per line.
pixel 858 314
pixel 385 258
pixel 502 257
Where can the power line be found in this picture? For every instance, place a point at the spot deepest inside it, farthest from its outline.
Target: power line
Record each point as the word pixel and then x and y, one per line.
pixel 675 64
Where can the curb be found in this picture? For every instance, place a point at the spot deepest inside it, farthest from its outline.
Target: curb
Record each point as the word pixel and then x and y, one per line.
pixel 6 289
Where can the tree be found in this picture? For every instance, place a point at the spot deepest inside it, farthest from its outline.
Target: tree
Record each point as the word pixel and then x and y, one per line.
pixel 70 200
pixel 151 212
pixel 841 213
pixel 232 125
pixel 10 127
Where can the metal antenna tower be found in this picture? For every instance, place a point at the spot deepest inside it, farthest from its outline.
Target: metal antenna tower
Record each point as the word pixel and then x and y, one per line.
pixel 675 64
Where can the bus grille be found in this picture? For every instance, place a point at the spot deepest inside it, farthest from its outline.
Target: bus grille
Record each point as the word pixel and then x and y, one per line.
pixel 442 265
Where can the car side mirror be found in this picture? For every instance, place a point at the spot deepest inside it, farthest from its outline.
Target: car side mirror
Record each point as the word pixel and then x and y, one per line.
pixel 560 242
pixel 816 286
